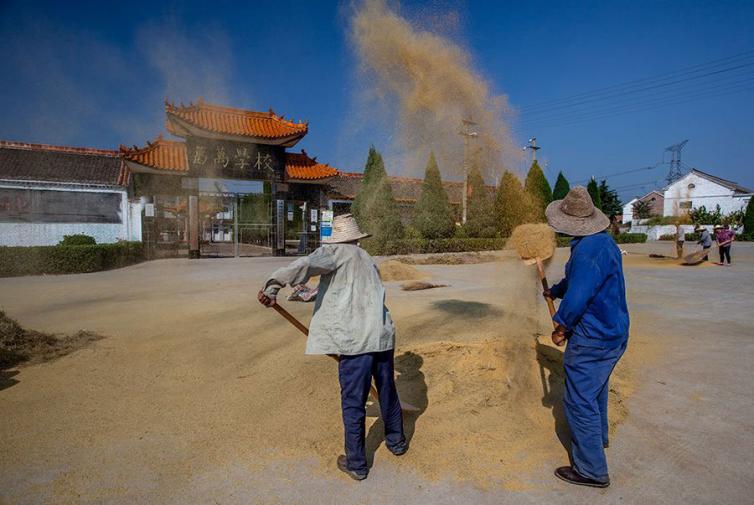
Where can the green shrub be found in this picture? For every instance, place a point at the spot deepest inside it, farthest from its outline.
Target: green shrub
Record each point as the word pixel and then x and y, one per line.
pixel 68 259
pixel 630 238
pixel 79 239
pixel 690 237
pixel 660 220
pixel 423 246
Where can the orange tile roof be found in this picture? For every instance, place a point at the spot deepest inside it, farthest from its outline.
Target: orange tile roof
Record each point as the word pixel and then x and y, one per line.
pixel 299 166
pixel 227 120
pixel 161 155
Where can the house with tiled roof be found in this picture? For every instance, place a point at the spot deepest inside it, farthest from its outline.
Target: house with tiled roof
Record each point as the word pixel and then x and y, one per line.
pixel 698 188
pixel 47 192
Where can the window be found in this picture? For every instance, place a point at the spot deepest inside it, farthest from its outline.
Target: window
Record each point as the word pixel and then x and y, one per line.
pixel 685 204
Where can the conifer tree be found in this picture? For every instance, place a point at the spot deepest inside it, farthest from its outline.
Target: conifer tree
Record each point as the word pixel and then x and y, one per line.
pixel 562 187
pixel 594 192
pixel 374 170
pixel 480 213
pixel 382 217
pixel 512 204
pixel 538 188
pixel 609 201
pixel 433 217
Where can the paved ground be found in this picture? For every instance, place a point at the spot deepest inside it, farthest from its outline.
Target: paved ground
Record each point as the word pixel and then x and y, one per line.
pixel 79 431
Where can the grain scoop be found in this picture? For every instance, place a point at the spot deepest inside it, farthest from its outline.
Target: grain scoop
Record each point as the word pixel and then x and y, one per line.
pixel 535 243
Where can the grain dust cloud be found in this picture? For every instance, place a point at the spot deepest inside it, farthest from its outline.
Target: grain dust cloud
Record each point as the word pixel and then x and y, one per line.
pixel 428 85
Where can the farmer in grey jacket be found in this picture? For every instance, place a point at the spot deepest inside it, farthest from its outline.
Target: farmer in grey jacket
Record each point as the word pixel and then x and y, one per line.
pixel 350 320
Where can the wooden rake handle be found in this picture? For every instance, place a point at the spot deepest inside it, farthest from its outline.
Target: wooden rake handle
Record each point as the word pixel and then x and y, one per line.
pixel 545 286
pixel 303 329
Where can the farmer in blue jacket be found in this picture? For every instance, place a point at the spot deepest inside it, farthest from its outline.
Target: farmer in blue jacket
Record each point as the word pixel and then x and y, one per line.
pixel 593 317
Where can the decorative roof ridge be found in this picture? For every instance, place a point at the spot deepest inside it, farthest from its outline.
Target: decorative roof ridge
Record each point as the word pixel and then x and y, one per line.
pixel 27 146
pixel 201 104
pixel 134 150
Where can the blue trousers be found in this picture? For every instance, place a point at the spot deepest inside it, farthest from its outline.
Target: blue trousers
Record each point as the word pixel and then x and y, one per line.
pixel 587 373
pixel 355 374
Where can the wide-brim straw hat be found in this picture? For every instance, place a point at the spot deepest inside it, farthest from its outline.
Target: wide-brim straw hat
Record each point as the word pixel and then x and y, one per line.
pixel 576 214
pixel 699 227
pixel 344 229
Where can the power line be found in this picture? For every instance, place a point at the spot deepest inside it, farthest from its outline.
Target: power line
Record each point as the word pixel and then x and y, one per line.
pixel 616 174
pixel 657 78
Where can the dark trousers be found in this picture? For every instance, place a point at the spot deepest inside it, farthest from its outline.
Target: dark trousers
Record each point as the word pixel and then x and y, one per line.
pixel 724 253
pixel 355 374
pixel 587 373
pixel 706 256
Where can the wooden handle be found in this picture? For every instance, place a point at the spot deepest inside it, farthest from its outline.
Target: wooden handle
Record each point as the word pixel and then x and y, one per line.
pixel 545 286
pixel 303 329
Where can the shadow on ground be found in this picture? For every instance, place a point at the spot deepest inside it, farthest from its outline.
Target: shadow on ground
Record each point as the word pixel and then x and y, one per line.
pixel 550 359
pixel 412 388
pixel 467 309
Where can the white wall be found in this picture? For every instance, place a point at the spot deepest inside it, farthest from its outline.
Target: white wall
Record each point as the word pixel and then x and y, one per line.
pixel 628 211
pixel 705 192
pixel 28 234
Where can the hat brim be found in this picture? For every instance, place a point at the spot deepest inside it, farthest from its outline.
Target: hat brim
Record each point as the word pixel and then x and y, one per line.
pixel 575 226
pixel 345 238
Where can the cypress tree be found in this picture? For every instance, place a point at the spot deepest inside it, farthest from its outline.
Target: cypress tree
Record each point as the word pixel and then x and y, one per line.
pixel 610 203
pixel 432 214
pixel 374 170
pixel 381 217
pixel 562 187
pixel 594 192
pixel 538 188
pixel 480 213
pixel 512 205
pixel 748 220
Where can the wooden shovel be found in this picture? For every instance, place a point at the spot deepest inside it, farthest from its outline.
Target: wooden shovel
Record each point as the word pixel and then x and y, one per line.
pixel 406 407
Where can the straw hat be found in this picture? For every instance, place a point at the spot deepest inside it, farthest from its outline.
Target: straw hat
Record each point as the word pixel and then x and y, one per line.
pixel 699 227
pixel 345 229
pixel 576 215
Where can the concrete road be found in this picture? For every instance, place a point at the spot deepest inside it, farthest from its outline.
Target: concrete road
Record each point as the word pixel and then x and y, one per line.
pixel 688 439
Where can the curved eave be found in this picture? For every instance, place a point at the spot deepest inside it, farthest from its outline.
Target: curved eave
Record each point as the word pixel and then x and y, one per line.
pixel 182 128
pixel 138 168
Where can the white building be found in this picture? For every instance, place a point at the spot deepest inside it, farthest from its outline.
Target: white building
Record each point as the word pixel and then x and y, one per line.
pixel 47 192
pixel 698 188
pixel 628 211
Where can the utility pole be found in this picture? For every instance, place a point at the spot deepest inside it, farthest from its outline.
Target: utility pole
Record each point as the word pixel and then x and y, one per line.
pixel 533 147
pixel 675 172
pixel 467 133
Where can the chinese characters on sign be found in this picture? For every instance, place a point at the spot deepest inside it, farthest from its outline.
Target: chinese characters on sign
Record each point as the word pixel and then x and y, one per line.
pixel 234 160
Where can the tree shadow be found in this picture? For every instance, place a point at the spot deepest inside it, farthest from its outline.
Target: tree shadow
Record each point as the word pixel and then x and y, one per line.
pixel 412 389
pixel 467 309
pixel 553 386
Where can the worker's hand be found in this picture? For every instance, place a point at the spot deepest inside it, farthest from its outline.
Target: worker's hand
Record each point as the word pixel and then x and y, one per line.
pixel 547 293
pixel 267 301
pixel 559 335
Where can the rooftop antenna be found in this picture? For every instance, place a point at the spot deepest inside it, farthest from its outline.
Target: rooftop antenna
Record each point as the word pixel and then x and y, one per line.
pixel 675 172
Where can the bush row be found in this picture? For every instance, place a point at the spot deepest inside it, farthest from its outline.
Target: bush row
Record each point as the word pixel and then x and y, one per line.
pixel 621 238
pixel 65 259
pixel 690 237
pixel 444 245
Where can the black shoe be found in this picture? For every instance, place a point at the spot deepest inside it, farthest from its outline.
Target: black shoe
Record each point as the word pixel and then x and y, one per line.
pixel 605 445
pixel 570 475
pixel 343 467
pixel 399 451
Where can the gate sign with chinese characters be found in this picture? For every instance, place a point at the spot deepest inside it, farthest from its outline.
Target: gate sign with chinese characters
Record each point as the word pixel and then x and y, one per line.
pixel 234 160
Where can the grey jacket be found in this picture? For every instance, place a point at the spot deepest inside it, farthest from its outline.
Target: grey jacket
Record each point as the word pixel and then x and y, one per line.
pixel 350 316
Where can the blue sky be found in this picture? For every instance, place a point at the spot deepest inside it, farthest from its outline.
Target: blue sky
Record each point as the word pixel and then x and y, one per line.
pixel 96 75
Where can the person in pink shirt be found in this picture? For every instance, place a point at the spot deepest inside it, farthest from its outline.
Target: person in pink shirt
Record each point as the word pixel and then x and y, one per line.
pixel 724 237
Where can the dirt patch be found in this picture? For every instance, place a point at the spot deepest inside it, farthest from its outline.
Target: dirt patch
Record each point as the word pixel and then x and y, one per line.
pixel 490 411
pixel 421 285
pixel 19 345
pixel 392 270
pixel 469 258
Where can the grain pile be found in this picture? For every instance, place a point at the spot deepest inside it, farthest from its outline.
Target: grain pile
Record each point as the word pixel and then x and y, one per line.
pixel 533 241
pixel 420 285
pixel 467 258
pixel 392 270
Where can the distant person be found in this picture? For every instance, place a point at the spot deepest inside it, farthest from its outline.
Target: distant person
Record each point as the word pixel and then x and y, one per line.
pixel 724 238
pixel 705 240
pixel 680 239
pixel 593 318
pixel 351 321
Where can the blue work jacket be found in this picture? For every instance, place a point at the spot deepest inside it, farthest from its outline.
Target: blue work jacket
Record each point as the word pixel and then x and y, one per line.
pixel 593 293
